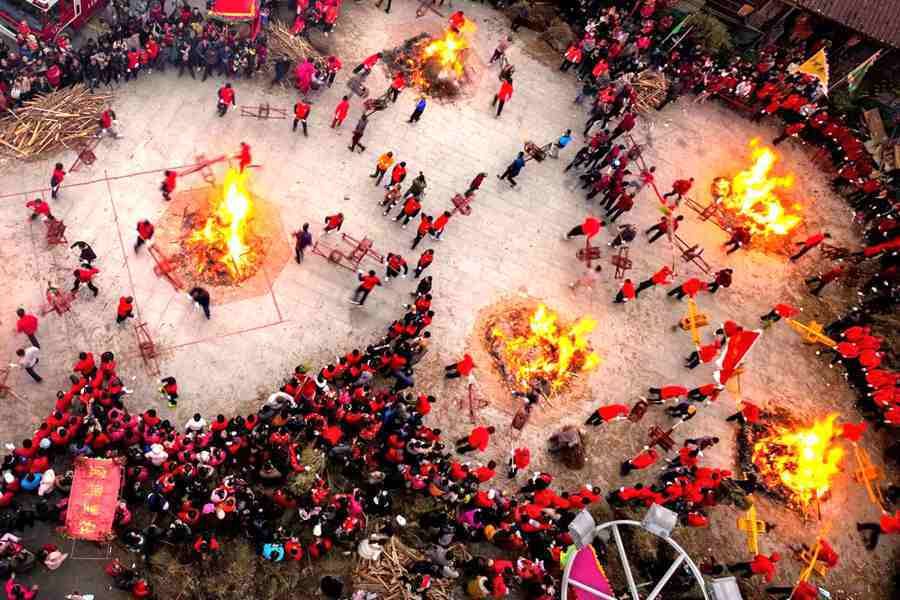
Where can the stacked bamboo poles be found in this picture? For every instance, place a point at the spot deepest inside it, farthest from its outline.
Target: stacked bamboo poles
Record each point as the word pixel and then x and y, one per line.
pixel 61 119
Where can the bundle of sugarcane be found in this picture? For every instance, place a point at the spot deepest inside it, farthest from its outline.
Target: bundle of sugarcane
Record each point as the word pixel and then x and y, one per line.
pixel 61 119
pixel 283 43
pixel 386 575
pixel 651 87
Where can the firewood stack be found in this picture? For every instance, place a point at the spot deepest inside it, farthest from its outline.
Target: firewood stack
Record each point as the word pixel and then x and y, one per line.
pixel 65 118
pixel 283 43
pixel 651 87
pixel 385 575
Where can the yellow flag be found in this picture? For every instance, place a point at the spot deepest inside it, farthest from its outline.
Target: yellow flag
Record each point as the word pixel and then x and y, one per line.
pixel 817 66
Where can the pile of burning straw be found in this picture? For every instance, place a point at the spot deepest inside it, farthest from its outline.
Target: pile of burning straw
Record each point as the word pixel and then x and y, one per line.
pixel 433 66
pixel 221 246
pixel 534 349
pixel 795 462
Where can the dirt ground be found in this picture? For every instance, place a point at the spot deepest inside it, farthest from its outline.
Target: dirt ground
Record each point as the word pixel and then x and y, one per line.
pixel 509 247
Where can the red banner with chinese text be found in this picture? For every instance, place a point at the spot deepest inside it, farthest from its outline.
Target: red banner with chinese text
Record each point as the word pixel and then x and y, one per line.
pixel 92 503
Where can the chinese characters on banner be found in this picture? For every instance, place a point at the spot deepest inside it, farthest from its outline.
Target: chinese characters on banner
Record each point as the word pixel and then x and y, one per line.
pixel 92 503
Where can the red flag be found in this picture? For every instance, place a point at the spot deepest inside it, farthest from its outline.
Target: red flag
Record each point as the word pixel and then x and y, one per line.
pixel 736 349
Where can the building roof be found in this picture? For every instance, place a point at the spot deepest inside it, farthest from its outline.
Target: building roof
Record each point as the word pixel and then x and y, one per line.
pixel 878 19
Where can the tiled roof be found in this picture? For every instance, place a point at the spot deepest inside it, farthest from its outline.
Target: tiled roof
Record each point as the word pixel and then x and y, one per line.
pixel 878 19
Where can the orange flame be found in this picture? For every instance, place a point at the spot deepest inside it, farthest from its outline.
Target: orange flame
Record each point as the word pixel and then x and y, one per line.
pixel 753 194
pixel 448 51
pixel 551 353
pixel 227 229
pixel 802 460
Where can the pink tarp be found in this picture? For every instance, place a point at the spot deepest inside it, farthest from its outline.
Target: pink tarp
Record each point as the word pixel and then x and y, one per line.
pixel 587 570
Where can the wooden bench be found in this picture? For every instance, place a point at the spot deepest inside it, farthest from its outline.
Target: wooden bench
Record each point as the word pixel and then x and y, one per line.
pixel 360 249
pixel 691 253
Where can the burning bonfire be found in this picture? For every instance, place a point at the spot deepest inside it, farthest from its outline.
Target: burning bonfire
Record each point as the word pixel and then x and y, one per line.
pixel 752 195
pixel 225 248
pixel 434 66
pixel 799 463
pixel 534 350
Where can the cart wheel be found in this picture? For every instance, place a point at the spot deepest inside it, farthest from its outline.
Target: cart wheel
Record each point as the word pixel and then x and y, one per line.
pixel 335 256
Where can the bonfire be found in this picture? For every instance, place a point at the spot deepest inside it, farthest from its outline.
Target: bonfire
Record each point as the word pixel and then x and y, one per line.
pixel 799 462
pixel 536 350
pixel 225 248
pixel 754 195
pixel 434 66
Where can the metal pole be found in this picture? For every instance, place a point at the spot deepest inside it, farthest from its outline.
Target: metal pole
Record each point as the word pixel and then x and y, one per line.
pixel 624 558
pixel 665 578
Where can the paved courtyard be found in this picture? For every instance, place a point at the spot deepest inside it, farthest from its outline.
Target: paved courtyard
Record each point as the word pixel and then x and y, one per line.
pixel 509 245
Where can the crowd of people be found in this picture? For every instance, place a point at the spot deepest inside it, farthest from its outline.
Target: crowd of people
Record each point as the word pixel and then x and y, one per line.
pixel 133 43
pixel 209 481
pixel 615 43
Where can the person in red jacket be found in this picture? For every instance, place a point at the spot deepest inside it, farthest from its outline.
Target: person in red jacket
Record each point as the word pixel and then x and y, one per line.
pixel 334 222
pixel 704 354
pixel 132 64
pixel 780 311
pixel 145 231
pixel 225 96
pixel 502 96
pixel 722 279
pixel 168 184
pixel 646 458
pixel 477 439
pixel 809 243
pixel 244 157
pixel 367 65
pixel 411 208
pixel 519 459
pixel 340 112
pixel 663 226
pixel 760 565
pixel 461 368
pixel 817 283
pixel 425 224
pixel 680 188
pixel 85 275
pixel 571 57
pixel 623 204
pixel 425 260
pixel 705 393
pixel 368 282
pixel 589 227
pixel 301 113
pixel 690 287
pixel 397 85
pixel 398 174
pixel 169 390
pixel 888 524
pixel 56 180
pixel 395 264
pixel 661 277
pixel 437 228
pixel 108 123
pixel 605 414
pixel 27 324
pixel 626 293
pixel 804 590
pixel 125 309
pixel 749 413
pixel 668 392
pixel 39 209
pixel 625 125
